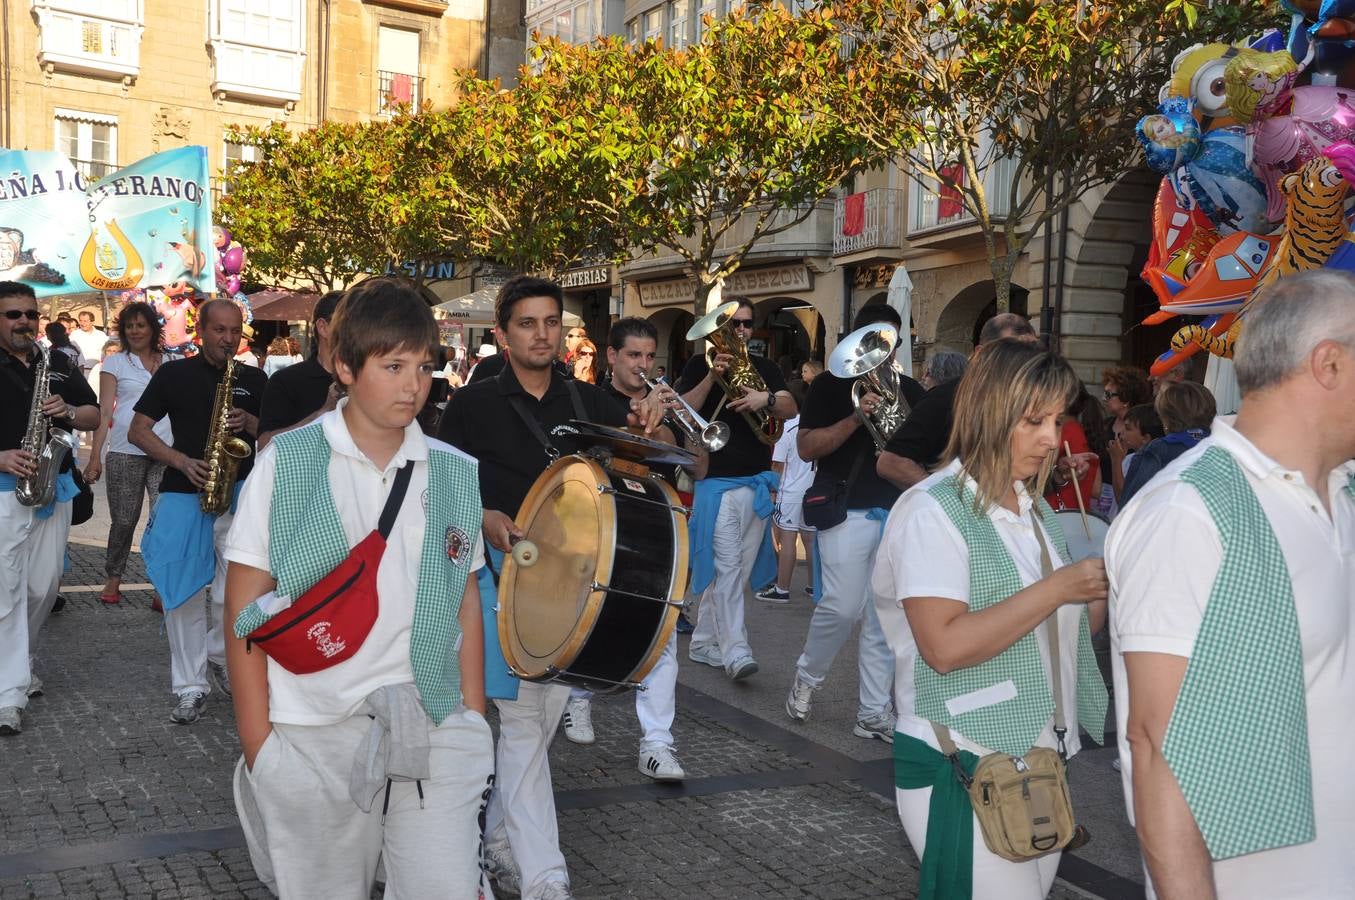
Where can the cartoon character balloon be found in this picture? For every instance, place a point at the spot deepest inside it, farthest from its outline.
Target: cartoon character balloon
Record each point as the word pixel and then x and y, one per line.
pixel 230 261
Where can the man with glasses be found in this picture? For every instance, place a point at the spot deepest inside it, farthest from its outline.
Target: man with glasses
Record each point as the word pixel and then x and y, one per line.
pixel 32 539
pixel 733 501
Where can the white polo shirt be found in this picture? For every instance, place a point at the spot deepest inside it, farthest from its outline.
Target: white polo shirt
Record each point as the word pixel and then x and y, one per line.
pixel 1162 556
pixel 923 554
pixel 359 490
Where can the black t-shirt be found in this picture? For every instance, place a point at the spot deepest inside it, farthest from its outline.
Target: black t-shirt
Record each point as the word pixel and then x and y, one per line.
pixel 185 390
pixel 667 472
pixel 745 454
pixel 293 394
pixel 830 401
pixel 491 366
pixel 16 388
pixel 480 420
pixel 924 436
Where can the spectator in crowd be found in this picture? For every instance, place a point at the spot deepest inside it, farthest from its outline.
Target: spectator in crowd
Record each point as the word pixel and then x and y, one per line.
pixel 788 518
pixel 59 341
pixel 1141 425
pixel 1083 434
pixel 1175 375
pixel 1187 411
pixel 1231 575
pixel 585 361
pixel 809 370
pixel 91 342
pixel 131 473
pixel 943 367
pixel 279 355
pixel 110 347
pixel 1124 387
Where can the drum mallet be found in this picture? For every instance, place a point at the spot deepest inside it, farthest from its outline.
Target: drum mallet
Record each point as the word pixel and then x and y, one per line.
pixel 1077 492
pixel 524 551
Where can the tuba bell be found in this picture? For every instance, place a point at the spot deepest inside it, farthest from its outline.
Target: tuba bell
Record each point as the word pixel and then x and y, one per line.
pixel 867 355
pixel 742 376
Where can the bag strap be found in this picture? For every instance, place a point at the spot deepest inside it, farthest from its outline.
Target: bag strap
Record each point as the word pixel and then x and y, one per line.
pixel 1055 674
pixel 1055 665
pixel 579 412
pixel 534 426
pixel 395 500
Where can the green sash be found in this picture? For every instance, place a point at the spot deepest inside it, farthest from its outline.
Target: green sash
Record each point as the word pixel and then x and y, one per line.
pixel 948 858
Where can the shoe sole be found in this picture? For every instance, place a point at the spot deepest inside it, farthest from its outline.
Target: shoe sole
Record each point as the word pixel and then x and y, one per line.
pixel 771 599
pixel 871 735
pixel 664 779
pixel 585 741
pixel 797 716
pixel 9 730
pixel 744 672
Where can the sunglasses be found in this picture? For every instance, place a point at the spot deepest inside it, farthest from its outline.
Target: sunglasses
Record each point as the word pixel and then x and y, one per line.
pixel 1111 395
pixel 586 353
pixel 741 323
pixel 15 314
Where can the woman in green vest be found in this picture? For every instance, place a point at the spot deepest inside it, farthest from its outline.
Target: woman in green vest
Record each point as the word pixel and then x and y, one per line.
pixel 967 600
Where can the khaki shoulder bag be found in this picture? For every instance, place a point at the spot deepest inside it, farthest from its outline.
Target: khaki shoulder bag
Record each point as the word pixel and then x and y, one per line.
pixel 1022 802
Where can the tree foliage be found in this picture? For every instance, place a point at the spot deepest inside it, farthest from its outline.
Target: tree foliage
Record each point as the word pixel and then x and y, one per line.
pixel 1055 86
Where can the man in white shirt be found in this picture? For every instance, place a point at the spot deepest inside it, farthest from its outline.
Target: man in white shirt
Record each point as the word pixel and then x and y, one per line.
pixel 1233 588
pixel 89 339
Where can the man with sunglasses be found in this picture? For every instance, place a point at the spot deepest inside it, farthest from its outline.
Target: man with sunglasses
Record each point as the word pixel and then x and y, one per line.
pixel 733 501
pixel 32 539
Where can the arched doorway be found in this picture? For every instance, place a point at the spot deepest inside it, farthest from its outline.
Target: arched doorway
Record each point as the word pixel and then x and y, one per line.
pixel 674 349
pixel 789 331
pixel 962 318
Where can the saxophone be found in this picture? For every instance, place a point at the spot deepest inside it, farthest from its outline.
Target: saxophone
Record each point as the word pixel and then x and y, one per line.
pixel 223 451
pixel 742 376
pixel 47 444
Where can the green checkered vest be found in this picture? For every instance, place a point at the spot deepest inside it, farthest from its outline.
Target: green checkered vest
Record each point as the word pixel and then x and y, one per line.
pixel 307 540
pixel 1011 726
pixel 1237 741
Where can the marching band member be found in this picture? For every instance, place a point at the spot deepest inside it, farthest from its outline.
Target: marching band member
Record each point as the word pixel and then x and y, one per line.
pixel 32 539
pixel 632 348
pixel 516 424
pixel 182 544
pixel 403 715
pixel 1233 575
pixel 733 502
pixel 831 434
pixel 300 394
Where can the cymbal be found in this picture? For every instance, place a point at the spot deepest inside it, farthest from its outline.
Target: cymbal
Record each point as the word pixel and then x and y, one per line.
pixel 629 445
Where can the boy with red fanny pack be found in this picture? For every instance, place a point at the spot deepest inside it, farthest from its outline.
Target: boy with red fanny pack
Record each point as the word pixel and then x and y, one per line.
pixel 356 652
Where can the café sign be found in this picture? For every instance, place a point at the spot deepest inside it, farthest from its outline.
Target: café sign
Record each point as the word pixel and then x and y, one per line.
pixel 743 283
pixel 589 277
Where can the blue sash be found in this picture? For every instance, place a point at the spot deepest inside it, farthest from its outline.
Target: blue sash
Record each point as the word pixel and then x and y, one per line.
pixel 500 684
pixel 710 493
pixel 65 491
pixel 178 546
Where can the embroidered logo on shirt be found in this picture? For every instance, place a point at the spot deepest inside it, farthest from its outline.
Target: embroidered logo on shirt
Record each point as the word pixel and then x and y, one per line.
pixel 458 545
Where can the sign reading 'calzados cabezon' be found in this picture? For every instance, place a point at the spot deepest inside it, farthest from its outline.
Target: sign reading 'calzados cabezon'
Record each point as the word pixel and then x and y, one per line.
pixel 147 225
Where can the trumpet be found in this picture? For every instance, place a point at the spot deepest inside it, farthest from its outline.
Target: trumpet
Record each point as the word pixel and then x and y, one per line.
pixel 742 376
pixel 711 435
pixel 867 354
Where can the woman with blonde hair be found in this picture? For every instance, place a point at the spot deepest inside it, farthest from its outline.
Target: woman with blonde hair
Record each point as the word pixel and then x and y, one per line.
pixel 973 588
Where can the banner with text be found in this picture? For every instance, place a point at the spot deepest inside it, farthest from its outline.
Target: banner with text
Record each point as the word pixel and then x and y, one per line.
pixel 146 225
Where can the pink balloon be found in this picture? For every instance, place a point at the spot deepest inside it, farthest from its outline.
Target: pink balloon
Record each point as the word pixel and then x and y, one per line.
pixel 1321 115
pixel 233 260
pixel 233 285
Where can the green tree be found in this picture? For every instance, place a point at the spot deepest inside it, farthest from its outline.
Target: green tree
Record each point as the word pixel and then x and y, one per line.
pixel 722 144
pixel 1055 87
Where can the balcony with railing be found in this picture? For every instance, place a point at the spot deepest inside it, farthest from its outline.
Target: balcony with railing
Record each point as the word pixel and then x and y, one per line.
pixel 397 89
pixel 869 221
pixel 936 207
pixel 90 38
pixel 93 169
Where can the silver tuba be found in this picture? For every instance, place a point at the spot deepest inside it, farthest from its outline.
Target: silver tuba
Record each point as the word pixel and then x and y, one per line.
pixel 711 435
pixel 47 444
pixel 867 355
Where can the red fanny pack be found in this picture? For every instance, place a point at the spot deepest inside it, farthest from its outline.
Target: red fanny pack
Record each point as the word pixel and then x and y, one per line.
pixel 330 622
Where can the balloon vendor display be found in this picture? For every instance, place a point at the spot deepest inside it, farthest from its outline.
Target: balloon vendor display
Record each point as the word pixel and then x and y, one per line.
pixel 1256 148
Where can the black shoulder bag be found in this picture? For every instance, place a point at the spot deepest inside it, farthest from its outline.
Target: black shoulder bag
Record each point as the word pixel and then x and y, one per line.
pixel 825 504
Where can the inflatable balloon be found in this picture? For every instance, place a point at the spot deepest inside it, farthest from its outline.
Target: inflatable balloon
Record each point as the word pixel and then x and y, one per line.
pixel 1325 31
pixel 233 260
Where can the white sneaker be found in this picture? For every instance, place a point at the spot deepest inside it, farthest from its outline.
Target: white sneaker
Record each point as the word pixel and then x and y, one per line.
pixel 579 720
pixel 10 721
pixel 34 685
pixel 660 763
pixel 743 667
pixel 878 727
pixel 800 698
pixel 219 678
pixel 502 869
pixel 709 654
pixel 189 708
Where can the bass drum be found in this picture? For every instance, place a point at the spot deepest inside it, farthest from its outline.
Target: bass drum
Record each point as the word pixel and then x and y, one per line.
pixel 596 604
pixel 1083 542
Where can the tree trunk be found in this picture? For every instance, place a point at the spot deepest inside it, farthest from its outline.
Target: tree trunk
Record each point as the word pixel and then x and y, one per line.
pixel 1002 283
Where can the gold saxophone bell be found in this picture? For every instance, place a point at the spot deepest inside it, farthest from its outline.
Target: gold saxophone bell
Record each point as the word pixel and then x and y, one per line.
pixel 742 376
pixel 867 355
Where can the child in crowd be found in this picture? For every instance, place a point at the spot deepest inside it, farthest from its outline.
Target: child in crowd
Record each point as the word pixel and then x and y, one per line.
pixel 386 753
pixel 788 519
pixel 1141 426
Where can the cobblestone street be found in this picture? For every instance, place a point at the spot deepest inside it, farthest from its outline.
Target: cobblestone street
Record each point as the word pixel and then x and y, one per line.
pixel 102 797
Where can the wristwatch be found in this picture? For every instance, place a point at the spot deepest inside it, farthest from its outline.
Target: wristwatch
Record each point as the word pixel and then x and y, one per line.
pixel 771 401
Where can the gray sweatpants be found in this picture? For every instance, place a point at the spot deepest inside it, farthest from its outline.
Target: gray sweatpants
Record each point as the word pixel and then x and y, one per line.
pixel 307 838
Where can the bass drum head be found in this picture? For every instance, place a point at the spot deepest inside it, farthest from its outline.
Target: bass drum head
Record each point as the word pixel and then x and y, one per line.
pixel 541 606
pixel 1083 541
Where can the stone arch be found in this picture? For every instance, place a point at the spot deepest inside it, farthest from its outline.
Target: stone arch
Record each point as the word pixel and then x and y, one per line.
pixel 961 319
pixel 791 326
pixel 674 349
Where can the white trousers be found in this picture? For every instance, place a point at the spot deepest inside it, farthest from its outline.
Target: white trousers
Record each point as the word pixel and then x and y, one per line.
pixel 522 807
pixel 656 705
pixel 847 556
pixel 308 839
pixel 195 628
pixel 738 536
pixel 994 877
pixel 31 553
